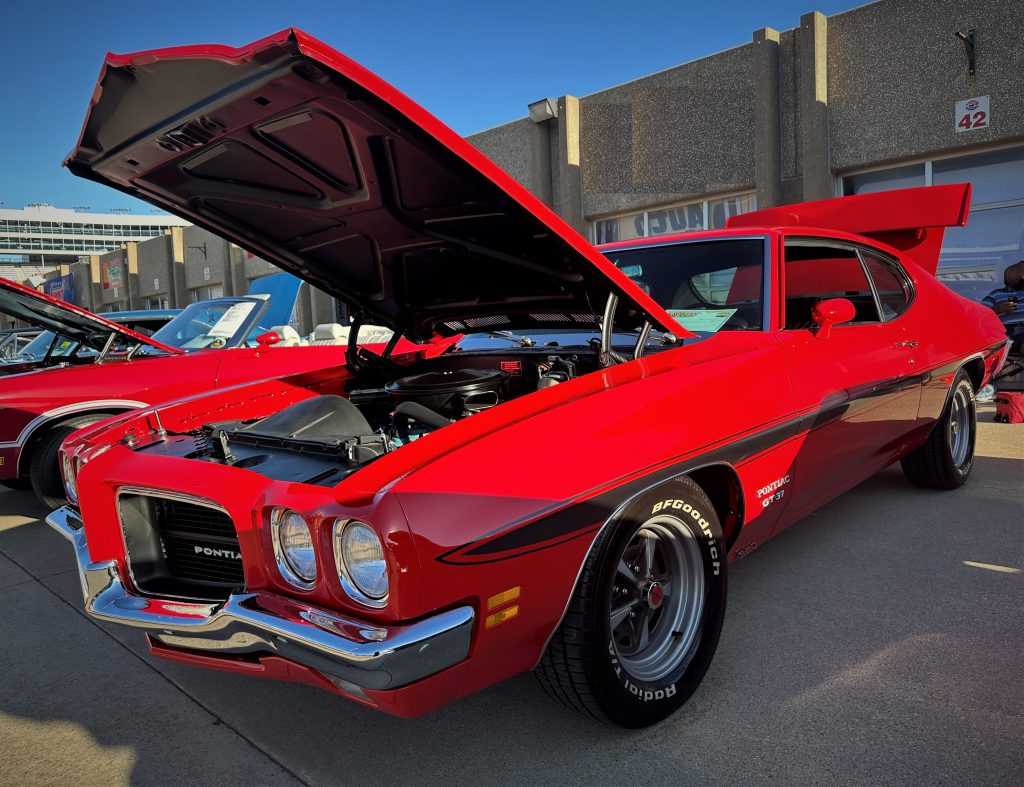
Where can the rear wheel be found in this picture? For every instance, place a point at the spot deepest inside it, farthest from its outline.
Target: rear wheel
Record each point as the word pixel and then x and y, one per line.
pixel 947 456
pixel 44 466
pixel 644 621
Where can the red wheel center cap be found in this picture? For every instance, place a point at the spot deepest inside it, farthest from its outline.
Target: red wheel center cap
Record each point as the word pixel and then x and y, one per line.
pixel 655 595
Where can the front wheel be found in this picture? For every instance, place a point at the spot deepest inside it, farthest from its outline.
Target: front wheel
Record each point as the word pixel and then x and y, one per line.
pixel 44 467
pixel 947 456
pixel 644 622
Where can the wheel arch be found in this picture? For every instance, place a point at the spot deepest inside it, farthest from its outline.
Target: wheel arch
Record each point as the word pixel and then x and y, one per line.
pixel 718 480
pixel 34 432
pixel 721 483
pixel 975 369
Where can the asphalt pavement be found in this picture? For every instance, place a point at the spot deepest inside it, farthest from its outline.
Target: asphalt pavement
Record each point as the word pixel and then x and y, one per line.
pixel 878 641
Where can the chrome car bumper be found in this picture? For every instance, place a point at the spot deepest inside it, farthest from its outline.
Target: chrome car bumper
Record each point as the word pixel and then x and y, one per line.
pixel 350 652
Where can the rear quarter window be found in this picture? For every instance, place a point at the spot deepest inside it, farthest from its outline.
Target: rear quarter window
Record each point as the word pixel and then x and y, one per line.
pixel 891 283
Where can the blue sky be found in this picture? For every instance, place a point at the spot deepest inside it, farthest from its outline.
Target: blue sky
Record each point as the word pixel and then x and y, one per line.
pixel 473 64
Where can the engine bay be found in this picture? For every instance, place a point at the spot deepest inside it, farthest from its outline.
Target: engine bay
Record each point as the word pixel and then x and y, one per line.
pixel 323 439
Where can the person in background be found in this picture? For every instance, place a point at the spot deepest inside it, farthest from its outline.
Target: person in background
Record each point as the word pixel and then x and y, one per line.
pixel 1008 304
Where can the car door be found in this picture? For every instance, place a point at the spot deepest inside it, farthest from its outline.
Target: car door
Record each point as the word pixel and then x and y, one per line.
pixel 733 372
pixel 857 389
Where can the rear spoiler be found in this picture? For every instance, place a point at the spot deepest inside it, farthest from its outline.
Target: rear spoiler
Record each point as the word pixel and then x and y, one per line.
pixel 911 220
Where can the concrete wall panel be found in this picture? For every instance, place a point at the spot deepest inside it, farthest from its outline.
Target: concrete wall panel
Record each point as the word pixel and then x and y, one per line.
pixel 687 131
pixel 896 69
pixel 511 147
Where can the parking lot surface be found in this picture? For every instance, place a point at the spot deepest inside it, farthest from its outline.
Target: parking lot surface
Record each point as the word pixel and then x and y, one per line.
pixel 878 641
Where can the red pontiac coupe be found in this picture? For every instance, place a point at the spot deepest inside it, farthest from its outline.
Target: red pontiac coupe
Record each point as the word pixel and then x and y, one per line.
pixel 564 488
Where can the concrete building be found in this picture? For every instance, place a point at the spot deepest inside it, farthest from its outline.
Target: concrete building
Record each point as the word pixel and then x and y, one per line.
pixel 882 96
pixel 891 94
pixel 40 235
pixel 184 265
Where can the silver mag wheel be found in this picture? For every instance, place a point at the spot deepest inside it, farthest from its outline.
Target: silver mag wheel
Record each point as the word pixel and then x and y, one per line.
pixel 644 620
pixel 657 598
pixel 961 426
pixel 945 459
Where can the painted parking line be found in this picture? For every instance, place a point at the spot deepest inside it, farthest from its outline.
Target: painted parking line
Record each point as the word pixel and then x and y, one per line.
pixel 991 567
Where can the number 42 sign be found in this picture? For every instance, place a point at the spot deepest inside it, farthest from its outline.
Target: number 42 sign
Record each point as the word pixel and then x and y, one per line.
pixel 972 114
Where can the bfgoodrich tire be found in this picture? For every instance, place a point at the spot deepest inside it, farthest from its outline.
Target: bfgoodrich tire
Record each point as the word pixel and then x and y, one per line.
pixel 44 467
pixel 644 621
pixel 947 456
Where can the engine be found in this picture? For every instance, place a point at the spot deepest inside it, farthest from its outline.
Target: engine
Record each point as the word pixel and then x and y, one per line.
pixel 323 439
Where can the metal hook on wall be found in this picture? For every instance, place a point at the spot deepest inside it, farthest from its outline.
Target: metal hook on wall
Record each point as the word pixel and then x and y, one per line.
pixel 968 39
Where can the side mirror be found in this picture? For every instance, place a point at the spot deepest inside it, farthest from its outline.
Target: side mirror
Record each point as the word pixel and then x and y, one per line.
pixel 834 311
pixel 267 340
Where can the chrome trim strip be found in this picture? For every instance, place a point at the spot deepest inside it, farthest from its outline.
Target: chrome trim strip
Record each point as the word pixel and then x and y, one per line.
pixel 367 655
pixel 125 405
pixel 167 495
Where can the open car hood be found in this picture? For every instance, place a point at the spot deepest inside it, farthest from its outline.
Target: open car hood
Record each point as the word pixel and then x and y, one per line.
pixel 302 156
pixel 66 319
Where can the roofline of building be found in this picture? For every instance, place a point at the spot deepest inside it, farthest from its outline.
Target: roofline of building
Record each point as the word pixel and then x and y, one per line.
pixel 51 213
pixel 670 68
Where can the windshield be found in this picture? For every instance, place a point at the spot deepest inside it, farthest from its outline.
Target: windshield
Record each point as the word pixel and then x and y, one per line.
pixel 13 344
pixel 546 337
pixel 211 325
pixel 37 348
pixel 707 286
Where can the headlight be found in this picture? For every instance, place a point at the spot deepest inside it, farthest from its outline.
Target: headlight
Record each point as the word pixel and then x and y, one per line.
pixel 362 568
pixel 70 481
pixel 293 548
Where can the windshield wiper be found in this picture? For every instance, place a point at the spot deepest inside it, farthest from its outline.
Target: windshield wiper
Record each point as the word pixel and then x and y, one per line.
pixel 522 341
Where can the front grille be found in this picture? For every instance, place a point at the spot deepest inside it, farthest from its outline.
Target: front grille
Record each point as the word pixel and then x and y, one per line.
pixel 180 548
pixel 198 542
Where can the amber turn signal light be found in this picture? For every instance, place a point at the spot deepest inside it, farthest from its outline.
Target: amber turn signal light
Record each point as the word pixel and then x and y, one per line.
pixel 503 598
pixel 500 617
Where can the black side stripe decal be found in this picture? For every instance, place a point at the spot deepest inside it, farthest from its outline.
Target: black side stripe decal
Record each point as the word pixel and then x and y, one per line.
pixel 543 527
pixel 556 525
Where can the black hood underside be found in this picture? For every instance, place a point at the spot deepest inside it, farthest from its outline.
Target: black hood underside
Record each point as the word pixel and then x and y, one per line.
pixel 312 162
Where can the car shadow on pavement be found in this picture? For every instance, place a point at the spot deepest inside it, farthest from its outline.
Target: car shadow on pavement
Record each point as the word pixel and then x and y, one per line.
pixel 858 646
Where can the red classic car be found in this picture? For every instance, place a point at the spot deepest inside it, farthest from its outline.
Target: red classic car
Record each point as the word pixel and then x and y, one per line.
pixel 563 489
pixel 93 367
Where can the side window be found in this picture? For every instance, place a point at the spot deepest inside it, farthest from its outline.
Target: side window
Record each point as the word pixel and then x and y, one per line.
pixel 891 284
pixel 816 272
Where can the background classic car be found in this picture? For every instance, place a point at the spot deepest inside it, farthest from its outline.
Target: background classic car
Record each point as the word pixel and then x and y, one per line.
pixel 107 368
pixel 404 531
pixel 14 340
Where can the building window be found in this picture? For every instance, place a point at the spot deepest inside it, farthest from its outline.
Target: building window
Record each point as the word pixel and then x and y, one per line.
pixel 672 219
pixel 156 302
pixel 906 177
pixel 973 257
pixel 205 293
pixel 621 228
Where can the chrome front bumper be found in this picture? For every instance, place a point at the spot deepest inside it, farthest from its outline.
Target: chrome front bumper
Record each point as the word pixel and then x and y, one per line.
pixel 364 655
